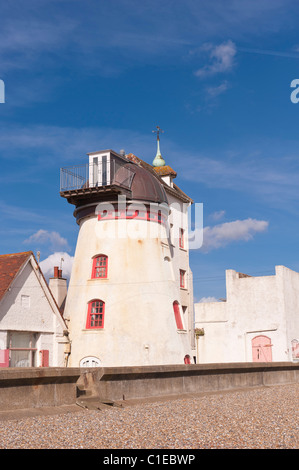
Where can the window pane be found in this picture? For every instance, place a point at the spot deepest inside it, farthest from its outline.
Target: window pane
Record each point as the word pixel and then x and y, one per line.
pixel 95 317
pixel 21 340
pixel 20 359
pixel 100 267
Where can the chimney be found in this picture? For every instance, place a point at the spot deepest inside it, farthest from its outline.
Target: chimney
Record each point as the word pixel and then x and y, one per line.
pixel 58 286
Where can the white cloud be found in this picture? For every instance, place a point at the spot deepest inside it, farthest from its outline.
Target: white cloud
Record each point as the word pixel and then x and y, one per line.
pixel 268 173
pixel 53 240
pixel 228 232
pixel 70 142
pixel 221 59
pixel 23 41
pixel 217 215
pixel 208 299
pixel 47 265
pixel 217 90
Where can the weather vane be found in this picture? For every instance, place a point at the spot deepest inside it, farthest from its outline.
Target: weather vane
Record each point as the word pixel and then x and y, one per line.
pixel 158 161
pixel 158 132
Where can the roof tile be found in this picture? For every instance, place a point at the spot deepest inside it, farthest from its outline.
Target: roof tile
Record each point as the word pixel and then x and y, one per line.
pixel 10 265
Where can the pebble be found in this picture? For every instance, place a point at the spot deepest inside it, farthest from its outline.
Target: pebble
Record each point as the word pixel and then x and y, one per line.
pixel 259 418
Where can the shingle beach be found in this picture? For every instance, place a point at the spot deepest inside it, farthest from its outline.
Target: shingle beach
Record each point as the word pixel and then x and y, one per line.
pixel 260 418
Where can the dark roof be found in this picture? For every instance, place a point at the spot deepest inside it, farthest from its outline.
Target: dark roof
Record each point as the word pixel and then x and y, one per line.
pixel 10 265
pixel 145 185
pixel 153 177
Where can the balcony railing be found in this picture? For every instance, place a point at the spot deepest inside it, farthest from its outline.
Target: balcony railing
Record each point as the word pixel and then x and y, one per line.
pixel 104 173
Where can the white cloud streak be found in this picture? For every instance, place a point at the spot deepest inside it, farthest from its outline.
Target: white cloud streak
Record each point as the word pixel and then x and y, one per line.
pixel 229 232
pixel 42 33
pixel 217 215
pixel 214 91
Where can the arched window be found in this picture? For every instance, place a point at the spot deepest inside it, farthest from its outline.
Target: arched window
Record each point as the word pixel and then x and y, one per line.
pixel 99 267
pixel 177 315
pixel 90 361
pixel 95 314
pixel 187 359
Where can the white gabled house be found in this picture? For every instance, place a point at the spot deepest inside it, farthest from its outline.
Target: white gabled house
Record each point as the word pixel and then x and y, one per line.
pixel 32 329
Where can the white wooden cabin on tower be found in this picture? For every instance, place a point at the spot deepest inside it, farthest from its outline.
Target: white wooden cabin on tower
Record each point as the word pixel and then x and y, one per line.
pixel 130 300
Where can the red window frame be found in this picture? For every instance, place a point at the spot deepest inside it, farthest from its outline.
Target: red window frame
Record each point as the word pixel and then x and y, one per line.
pixel 95 314
pixel 181 238
pixel 100 267
pixel 182 278
pixel 177 315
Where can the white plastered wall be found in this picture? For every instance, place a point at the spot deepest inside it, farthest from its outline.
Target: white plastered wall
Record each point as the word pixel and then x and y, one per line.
pixel 139 326
pixel 266 305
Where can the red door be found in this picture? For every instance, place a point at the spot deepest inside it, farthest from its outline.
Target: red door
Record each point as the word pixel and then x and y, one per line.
pixel 261 349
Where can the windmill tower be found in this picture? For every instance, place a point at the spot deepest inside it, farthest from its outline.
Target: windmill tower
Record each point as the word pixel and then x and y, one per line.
pixel 129 301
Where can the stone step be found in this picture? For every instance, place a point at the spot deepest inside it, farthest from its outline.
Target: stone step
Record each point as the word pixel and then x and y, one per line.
pixel 96 403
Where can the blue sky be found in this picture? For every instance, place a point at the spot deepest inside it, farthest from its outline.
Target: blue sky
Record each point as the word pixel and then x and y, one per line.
pixel 82 76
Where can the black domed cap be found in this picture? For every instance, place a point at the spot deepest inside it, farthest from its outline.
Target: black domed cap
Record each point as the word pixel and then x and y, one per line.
pixel 145 185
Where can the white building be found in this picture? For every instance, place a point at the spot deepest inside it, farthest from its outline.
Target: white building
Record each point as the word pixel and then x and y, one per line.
pixel 259 321
pixel 32 329
pixel 130 298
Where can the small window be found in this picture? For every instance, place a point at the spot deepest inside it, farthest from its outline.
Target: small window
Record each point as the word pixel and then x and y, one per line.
pixel 177 315
pixel 95 315
pixel 187 359
pixel 182 278
pixel 25 301
pixel 181 238
pixel 90 361
pixel 100 267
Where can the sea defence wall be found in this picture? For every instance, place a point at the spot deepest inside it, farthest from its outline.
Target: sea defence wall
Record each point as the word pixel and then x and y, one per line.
pixel 40 387
pixel 126 383
pixel 36 387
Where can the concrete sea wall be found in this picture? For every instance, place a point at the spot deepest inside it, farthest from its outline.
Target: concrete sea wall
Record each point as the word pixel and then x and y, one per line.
pixel 35 387
pixel 38 387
